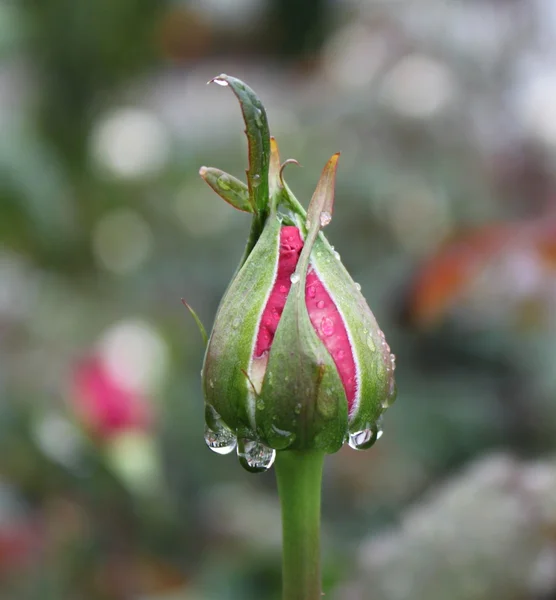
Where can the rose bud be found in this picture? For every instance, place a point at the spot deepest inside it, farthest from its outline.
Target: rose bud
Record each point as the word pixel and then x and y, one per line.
pixel 296 359
pixel 104 405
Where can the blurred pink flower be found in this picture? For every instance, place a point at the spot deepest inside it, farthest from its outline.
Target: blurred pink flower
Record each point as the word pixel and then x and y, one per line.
pixel 103 404
pixel 21 544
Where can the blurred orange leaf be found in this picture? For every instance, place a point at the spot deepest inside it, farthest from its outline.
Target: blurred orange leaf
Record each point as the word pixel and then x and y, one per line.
pixel 448 275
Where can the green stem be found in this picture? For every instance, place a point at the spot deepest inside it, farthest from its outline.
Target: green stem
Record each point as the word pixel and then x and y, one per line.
pixel 299 477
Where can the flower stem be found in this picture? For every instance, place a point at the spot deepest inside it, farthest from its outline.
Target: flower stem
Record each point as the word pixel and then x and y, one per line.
pixel 299 477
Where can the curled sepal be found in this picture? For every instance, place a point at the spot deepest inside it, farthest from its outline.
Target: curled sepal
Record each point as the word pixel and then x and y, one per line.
pixel 258 138
pixel 228 187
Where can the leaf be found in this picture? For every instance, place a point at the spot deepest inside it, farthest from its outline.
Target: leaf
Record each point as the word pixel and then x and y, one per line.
pixel 198 321
pixel 228 187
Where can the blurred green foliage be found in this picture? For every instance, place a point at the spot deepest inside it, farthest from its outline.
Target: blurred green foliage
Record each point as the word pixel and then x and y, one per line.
pixel 445 122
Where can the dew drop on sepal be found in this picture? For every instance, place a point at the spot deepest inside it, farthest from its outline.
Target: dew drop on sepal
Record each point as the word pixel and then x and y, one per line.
pixel 259 117
pixel 325 218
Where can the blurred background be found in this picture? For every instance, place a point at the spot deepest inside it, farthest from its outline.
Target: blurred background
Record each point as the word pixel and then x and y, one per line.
pixel 444 111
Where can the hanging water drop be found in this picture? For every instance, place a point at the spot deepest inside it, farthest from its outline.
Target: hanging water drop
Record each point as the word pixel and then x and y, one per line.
pixel 364 439
pixel 336 255
pixel 221 441
pixel 219 81
pixel 256 180
pixel 254 456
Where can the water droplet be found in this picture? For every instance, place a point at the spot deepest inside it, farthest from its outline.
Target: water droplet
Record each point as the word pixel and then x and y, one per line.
pixel 259 117
pixel 297 408
pixel 254 456
pixel 294 278
pixel 320 304
pixel 393 361
pixel 283 289
pixel 282 437
pixel 319 254
pixel 371 343
pixel 236 323
pixel 379 434
pixel 260 404
pixel 364 439
pixel 201 372
pixel 391 392
pixel 219 81
pixel 336 255
pixel 224 183
pixel 325 218
pixel 221 441
pixel 311 291
pixel 256 180
pixel 327 326
pixel 381 333
pixel 358 287
pixel 211 383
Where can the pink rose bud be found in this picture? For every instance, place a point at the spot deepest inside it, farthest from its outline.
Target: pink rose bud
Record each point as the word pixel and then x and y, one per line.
pixel 296 359
pixel 103 404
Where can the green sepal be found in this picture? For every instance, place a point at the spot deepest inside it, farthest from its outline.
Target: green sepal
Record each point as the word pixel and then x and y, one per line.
pixel 228 187
pixel 304 391
pixel 368 346
pixel 225 381
pixel 376 382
